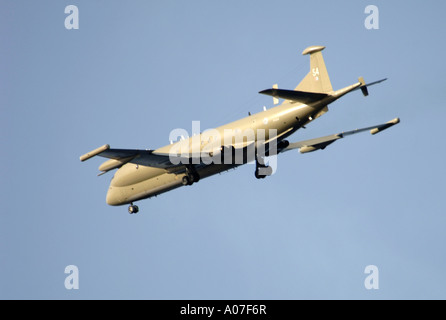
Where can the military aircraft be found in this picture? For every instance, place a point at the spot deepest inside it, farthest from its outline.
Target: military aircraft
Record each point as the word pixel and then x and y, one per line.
pixel 144 174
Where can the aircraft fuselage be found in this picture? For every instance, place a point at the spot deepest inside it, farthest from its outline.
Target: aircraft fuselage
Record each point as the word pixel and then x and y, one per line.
pixel 135 182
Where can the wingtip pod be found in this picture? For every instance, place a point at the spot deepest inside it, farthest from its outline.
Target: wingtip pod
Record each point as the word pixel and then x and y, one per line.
pixel 94 152
pixel 389 124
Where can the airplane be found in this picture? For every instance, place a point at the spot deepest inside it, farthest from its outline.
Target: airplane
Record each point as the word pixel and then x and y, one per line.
pixel 144 174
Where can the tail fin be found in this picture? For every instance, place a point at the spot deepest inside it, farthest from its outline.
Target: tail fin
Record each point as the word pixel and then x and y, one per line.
pixel 317 79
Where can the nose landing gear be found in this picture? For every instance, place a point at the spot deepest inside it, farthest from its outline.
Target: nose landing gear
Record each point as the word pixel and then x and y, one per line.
pixel 133 209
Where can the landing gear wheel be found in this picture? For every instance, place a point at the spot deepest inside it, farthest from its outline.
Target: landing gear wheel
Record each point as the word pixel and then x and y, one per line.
pixel 191 176
pixel 133 209
pixel 264 169
pixel 258 175
pixel 186 181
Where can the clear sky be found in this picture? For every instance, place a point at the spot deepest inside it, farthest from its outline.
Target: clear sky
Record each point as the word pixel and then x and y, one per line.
pixel 135 70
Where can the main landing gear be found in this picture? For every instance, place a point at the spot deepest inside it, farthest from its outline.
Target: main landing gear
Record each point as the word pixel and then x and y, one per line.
pixel 191 176
pixel 133 209
pixel 262 170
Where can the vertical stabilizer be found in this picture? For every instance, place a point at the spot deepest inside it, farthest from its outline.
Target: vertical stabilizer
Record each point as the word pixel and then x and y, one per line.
pixel 317 80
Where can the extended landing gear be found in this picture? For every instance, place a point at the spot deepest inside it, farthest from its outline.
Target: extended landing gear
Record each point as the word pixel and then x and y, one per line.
pixel 133 209
pixel 262 170
pixel 191 176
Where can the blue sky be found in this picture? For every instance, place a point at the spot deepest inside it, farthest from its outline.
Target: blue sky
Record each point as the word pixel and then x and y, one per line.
pixel 133 72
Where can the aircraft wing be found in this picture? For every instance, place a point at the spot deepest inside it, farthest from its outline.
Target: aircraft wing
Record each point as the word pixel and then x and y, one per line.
pixel 149 158
pixel 321 143
pixel 141 157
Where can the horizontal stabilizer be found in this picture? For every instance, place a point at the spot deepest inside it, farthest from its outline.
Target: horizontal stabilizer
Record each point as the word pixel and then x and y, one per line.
pixel 293 95
pixel 375 82
pixel 364 85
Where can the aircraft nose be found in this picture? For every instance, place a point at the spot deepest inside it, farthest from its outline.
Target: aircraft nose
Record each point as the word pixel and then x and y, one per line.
pixel 113 197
